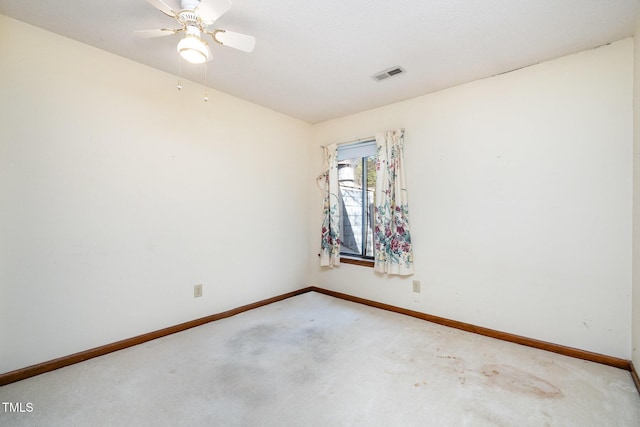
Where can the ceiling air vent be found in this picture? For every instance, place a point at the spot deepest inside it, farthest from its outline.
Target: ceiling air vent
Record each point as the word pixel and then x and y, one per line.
pixel 382 75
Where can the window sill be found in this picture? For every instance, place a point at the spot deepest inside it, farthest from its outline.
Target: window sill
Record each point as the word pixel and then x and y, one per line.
pixel 356 261
pixel 345 259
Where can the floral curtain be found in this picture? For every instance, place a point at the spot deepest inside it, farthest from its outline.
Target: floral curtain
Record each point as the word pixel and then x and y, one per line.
pixel 393 249
pixel 330 245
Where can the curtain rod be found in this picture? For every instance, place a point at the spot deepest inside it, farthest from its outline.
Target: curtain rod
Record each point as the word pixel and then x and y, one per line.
pixel 353 141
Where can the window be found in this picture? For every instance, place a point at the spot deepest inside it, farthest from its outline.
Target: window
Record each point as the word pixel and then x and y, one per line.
pixel 357 184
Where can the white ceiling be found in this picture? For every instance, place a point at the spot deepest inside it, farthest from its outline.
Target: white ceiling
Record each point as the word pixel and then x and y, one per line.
pixel 313 59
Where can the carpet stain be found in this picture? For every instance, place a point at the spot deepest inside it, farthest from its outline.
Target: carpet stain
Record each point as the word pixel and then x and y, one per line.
pixel 262 338
pixel 455 364
pixel 254 340
pixel 446 357
pixel 516 380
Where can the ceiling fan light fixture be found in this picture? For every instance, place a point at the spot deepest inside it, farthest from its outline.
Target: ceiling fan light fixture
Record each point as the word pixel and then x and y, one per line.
pixel 194 50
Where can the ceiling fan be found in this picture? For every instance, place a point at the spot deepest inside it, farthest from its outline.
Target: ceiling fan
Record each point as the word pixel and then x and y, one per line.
pixel 195 17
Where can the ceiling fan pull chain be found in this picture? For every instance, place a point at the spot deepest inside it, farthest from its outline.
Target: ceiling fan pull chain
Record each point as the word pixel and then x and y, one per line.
pixel 206 97
pixel 179 73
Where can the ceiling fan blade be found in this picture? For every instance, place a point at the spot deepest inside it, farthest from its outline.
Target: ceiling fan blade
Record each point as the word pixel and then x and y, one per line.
pixel 147 34
pixel 211 10
pixel 239 41
pixel 162 7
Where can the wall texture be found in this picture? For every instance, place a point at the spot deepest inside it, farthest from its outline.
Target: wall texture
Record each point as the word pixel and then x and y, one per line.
pixel 520 200
pixel 118 194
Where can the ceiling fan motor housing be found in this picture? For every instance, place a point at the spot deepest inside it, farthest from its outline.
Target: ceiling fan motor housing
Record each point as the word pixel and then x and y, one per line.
pixel 188 17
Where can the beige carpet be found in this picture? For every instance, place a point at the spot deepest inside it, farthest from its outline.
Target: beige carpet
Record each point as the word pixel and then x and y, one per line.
pixel 314 360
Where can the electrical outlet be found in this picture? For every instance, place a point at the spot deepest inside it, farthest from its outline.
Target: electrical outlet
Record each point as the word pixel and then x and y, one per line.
pixel 416 286
pixel 197 291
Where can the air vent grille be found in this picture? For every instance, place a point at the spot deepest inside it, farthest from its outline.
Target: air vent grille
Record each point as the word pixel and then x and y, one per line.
pixel 393 71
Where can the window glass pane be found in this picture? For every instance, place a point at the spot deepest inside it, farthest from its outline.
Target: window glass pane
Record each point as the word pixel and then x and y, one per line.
pixel 350 178
pixel 370 200
pixel 357 186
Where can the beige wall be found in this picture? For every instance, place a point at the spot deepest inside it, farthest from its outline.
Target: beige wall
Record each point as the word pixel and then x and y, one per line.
pixel 115 200
pixel 118 194
pixel 520 200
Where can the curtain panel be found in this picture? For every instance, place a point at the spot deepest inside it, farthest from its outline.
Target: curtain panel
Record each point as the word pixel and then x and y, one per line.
pixel 393 249
pixel 328 181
